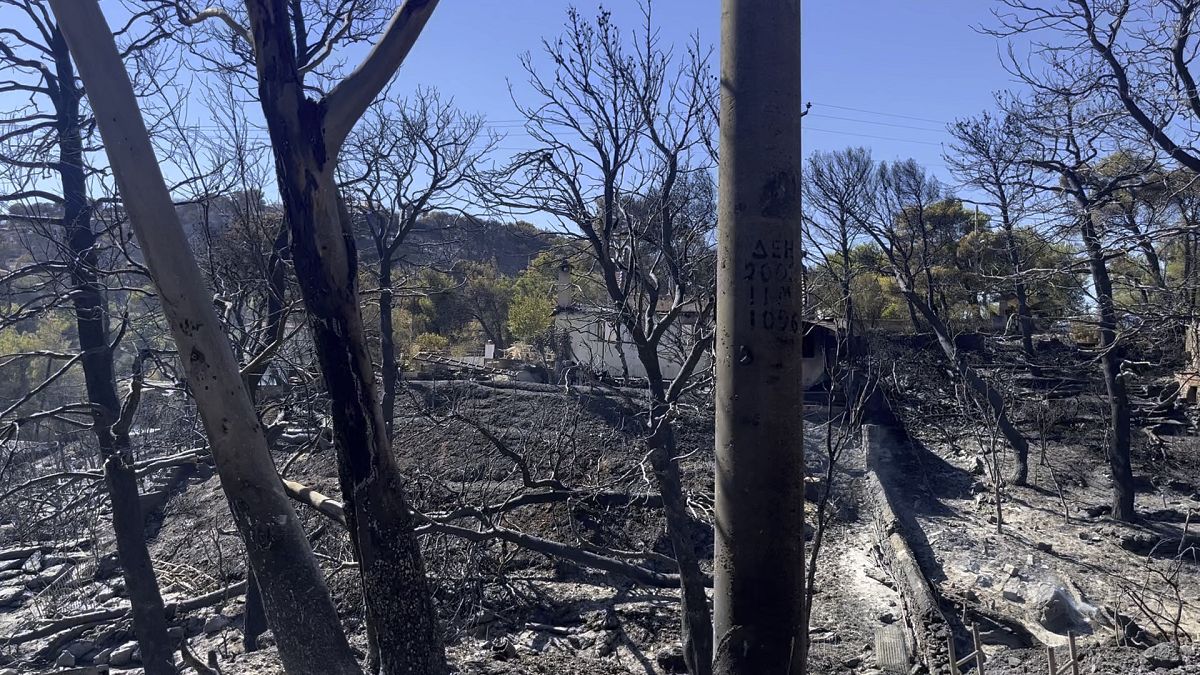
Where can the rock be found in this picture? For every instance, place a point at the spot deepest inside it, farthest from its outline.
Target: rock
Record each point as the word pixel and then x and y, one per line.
pixel 215 624
pixel 1012 596
pixel 605 619
pixel 65 660
pixel 81 648
pixel 11 595
pixel 582 640
pixel 192 625
pixel 46 577
pixel 852 662
pixel 1097 510
pixel 1141 543
pixel 105 595
pixel 983 581
pixel 1057 612
pixel 1164 655
pixel 887 617
pixel 1014 661
pixel 1166 516
pixel 671 660
pixel 1010 571
pixel 123 655
pixel 1044 547
pixel 503 649
pixel 102 658
pixel 979 469
pixel 33 564
pixel 175 632
pixel 8 565
pixel 606 644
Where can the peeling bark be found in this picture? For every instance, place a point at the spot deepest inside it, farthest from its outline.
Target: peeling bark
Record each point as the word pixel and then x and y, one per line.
pixel 305 137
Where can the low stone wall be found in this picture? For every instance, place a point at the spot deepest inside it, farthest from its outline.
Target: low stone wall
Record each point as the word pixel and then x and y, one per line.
pixel 928 629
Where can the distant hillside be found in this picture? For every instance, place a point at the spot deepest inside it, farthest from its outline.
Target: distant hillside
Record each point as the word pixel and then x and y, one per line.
pixel 445 238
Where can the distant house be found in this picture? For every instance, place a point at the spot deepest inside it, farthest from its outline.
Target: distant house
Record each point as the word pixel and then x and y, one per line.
pixel 593 341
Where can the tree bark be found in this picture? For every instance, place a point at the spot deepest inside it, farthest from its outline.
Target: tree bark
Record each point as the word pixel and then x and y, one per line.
pixel 387 345
pixel 297 602
pixel 305 140
pixel 92 325
pixel 697 635
pixel 1110 363
pixel 1024 318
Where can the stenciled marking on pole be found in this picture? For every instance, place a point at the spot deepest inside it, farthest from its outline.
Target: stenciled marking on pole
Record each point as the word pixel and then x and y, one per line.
pixel 767 287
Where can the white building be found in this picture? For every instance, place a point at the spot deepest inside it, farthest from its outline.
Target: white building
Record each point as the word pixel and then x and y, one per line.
pixel 593 341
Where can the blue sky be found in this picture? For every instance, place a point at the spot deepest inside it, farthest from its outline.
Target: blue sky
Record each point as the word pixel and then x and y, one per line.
pixel 886 74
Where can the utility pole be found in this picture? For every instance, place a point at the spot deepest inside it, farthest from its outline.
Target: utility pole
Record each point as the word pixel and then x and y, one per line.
pixel 759 594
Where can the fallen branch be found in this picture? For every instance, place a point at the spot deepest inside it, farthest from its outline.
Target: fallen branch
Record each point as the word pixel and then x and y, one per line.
pixel 110 615
pixel 333 510
pixel 558 550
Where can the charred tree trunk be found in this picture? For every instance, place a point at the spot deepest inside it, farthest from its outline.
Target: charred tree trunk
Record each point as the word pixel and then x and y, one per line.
pixel 1114 383
pixel 696 635
pixel 912 314
pixel 399 604
pixel 1024 318
pixel 387 344
pixel 696 631
pixel 254 621
pixel 847 289
pixel 92 324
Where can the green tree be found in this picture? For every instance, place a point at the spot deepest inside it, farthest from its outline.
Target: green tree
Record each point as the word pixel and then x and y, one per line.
pixel 531 308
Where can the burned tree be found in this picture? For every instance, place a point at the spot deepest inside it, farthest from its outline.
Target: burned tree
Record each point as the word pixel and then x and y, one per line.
pixel 623 168
pixel 296 599
pixel 406 160
pixel 37 56
pixel 837 186
pixel 288 44
pixel 898 223
pixel 1067 136
pixel 987 154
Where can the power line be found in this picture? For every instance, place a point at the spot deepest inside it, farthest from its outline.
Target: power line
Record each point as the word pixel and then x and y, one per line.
pixel 882 114
pixel 881 138
pixel 883 124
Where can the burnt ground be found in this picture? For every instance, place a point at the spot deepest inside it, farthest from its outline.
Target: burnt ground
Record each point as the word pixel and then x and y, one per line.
pixel 512 611
pixel 1058 562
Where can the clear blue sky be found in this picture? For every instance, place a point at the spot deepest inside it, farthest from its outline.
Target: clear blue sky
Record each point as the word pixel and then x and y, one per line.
pixel 886 74
pixel 911 65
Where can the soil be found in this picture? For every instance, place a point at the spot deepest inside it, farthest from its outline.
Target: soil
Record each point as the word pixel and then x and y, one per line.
pixel 509 611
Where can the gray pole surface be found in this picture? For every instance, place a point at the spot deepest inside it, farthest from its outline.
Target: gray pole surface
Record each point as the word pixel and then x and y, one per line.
pixel 759 564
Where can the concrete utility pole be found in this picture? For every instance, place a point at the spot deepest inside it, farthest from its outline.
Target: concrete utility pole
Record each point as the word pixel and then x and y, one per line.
pixel 758 600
